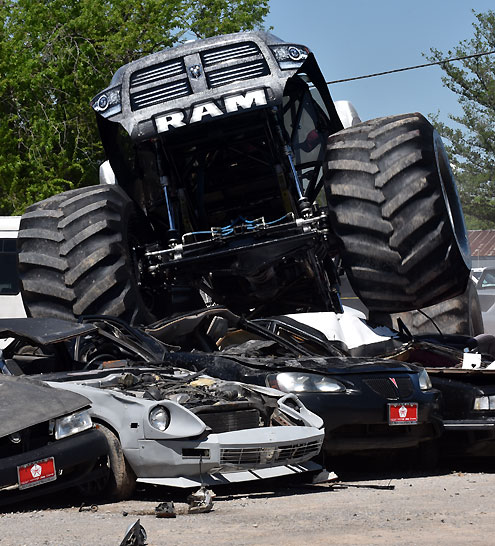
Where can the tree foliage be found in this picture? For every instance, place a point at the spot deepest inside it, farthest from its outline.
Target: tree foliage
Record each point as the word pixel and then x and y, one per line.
pixel 54 57
pixel 472 139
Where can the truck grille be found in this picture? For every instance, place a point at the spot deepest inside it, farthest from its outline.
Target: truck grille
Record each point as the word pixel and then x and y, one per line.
pixel 230 74
pixel 221 67
pixel 385 387
pixel 229 53
pixel 156 95
pixel 264 455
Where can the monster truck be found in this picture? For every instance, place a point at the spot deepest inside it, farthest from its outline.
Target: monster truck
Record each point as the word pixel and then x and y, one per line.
pixel 231 180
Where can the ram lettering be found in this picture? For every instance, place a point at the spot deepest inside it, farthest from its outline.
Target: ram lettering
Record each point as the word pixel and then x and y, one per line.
pixel 231 104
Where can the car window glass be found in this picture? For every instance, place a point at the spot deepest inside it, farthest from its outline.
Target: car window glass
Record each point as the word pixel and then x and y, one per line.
pixel 488 281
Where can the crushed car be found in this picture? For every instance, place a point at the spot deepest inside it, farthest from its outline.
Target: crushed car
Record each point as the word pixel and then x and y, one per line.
pixel 463 369
pixel 460 367
pixel 367 404
pixel 164 425
pixel 47 440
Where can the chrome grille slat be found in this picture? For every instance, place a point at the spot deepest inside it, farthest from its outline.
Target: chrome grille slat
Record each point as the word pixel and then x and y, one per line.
pixel 231 74
pixel 157 72
pixel 230 52
pixel 158 94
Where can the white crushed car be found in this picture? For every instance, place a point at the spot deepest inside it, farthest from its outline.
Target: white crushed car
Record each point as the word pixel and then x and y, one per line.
pixel 164 425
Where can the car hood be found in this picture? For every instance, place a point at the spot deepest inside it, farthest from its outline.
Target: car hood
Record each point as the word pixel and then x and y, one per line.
pixel 237 367
pixel 26 402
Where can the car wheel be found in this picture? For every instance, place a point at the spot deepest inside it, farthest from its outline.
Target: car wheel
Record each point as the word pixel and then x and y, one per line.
pixel 121 480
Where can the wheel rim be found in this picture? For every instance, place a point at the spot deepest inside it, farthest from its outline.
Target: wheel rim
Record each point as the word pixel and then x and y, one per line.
pixel 451 199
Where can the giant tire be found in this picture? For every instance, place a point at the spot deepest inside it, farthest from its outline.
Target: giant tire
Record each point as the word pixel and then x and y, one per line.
pixel 460 315
pixel 75 256
pixel 394 207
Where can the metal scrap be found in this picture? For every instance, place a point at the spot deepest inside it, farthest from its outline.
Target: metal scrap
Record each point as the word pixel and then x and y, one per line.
pixel 201 501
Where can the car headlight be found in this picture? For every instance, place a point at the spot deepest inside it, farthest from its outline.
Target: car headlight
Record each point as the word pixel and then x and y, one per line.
pixel 72 424
pixel 107 103
pixel 484 403
pixel 159 418
pixel 290 56
pixel 424 381
pixel 305 382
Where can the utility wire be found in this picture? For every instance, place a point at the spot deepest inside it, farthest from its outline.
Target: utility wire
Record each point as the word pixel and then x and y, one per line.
pixel 412 67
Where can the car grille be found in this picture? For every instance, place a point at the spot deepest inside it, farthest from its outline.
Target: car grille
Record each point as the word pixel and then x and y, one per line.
pixel 264 455
pixel 385 387
pixel 31 438
pixel 232 420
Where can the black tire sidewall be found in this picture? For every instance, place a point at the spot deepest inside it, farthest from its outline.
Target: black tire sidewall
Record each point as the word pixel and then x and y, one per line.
pixel 451 198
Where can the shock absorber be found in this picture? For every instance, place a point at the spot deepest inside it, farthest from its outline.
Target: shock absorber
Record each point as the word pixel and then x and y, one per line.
pixel 173 236
pixel 304 205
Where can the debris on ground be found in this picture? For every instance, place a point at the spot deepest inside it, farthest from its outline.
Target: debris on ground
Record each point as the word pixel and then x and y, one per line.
pixel 165 510
pixel 201 501
pixel 135 535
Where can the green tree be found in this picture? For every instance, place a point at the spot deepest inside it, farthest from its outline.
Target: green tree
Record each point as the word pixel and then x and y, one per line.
pixel 472 139
pixel 54 57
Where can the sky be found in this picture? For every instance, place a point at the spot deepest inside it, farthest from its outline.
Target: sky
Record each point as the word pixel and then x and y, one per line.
pixel 356 37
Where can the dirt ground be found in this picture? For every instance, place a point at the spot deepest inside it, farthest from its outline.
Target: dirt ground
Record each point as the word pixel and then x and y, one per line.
pixel 452 506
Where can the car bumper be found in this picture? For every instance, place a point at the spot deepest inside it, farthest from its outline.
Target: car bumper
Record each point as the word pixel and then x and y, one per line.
pixel 243 450
pixel 354 424
pixel 469 424
pixel 469 437
pixel 75 460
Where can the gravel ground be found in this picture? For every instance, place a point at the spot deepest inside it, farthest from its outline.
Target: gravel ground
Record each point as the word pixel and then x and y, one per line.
pixel 451 507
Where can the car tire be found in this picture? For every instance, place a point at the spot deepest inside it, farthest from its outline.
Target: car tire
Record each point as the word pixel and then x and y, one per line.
pixel 121 480
pixel 75 256
pixel 394 208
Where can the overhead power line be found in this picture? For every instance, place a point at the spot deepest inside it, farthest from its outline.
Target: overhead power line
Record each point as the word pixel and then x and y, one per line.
pixel 413 67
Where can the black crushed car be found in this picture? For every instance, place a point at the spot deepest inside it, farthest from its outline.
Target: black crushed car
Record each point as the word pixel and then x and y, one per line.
pixel 463 369
pixel 47 440
pixel 367 403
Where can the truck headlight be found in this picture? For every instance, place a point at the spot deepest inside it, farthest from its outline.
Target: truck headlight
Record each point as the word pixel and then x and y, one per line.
pixel 424 381
pixel 72 424
pixel 107 103
pixel 484 403
pixel 289 55
pixel 305 382
pixel 159 418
